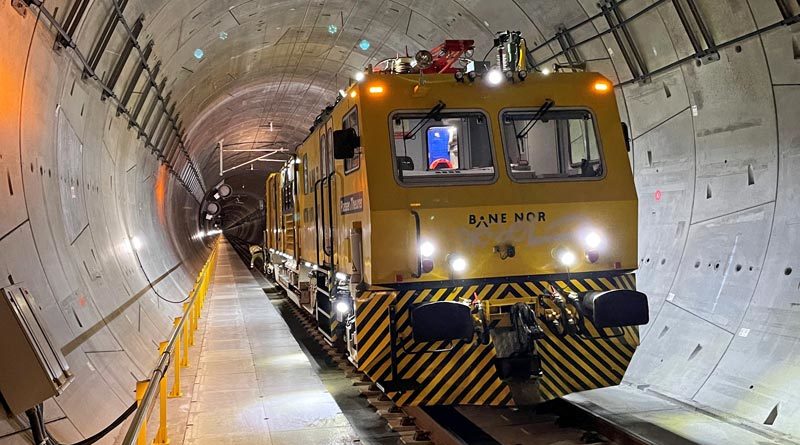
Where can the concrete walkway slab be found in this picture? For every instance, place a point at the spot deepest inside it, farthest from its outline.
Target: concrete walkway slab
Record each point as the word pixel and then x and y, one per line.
pixel 254 384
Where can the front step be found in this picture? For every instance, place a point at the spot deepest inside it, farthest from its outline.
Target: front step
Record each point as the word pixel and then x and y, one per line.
pixel 370 391
pixel 418 438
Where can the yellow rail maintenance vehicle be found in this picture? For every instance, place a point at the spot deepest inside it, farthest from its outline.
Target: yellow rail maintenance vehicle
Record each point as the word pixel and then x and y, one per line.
pixel 468 235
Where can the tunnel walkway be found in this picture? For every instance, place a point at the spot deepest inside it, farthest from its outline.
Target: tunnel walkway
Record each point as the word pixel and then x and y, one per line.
pixel 254 385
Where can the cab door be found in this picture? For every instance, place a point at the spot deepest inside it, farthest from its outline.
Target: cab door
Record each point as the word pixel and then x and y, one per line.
pixel 324 198
pixel 326 203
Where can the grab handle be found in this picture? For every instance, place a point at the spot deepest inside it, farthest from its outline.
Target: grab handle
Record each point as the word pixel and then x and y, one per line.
pixel 418 273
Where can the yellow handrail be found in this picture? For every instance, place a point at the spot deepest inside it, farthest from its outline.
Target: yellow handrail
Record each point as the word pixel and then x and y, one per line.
pixel 182 336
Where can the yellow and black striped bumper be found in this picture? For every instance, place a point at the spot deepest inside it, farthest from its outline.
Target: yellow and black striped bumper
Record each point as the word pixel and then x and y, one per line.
pixel 466 374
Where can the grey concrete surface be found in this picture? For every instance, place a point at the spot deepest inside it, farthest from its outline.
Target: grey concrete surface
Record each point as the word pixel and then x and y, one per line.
pixel 715 156
pixel 254 384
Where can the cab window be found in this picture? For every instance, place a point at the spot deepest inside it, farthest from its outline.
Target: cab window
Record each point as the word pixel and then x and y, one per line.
pixel 554 145
pixel 324 153
pixel 305 174
pixel 451 146
pixel 351 121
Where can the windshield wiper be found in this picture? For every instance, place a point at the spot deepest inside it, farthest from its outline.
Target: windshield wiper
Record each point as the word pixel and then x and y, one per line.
pixel 546 106
pixel 433 113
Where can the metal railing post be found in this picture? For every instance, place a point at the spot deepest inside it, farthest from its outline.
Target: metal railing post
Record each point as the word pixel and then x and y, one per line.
pixel 176 383
pixel 161 434
pixel 190 322
pixel 185 341
pixel 141 389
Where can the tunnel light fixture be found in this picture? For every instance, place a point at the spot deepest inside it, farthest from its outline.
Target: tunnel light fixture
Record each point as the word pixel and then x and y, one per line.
pixel 136 243
pixel 495 77
pixel 364 44
pixel 225 190
pixel 333 29
pixel 199 54
pixel 223 35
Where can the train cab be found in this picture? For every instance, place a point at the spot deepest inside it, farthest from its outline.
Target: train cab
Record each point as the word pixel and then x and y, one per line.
pixel 464 237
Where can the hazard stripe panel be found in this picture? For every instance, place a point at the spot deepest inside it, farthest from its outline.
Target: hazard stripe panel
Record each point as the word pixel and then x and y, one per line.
pixel 465 373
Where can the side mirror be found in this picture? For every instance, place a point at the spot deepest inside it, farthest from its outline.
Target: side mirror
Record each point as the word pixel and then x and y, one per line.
pixel 626 134
pixel 345 143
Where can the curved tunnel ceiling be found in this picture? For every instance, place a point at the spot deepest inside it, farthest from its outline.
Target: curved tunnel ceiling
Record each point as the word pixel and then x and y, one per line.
pixel 715 155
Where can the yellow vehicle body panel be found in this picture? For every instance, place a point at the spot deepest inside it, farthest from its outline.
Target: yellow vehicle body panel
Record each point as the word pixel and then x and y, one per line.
pixel 467 220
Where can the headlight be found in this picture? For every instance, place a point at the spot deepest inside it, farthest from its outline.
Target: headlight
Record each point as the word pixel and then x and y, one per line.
pixel 342 307
pixel 593 240
pixel 494 77
pixel 427 249
pixel 458 264
pixel 567 257
pixel 341 276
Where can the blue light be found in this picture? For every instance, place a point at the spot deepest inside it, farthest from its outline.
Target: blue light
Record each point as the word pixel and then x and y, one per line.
pixel 363 44
pixel 198 54
pixel 223 35
pixel 332 29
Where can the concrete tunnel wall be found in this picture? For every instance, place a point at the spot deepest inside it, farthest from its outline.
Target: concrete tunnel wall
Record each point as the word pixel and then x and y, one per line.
pixel 80 196
pixel 716 154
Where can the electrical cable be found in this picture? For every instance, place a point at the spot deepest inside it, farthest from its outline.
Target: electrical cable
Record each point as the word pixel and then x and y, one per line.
pixel 138 260
pixel 49 440
pixel 36 426
pixel 489 52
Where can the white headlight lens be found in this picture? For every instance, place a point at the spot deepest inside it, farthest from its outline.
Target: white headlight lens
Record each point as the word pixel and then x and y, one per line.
pixel 427 249
pixel 342 307
pixel 341 276
pixel 458 264
pixel 567 258
pixel 494 77
pixel 593 240
pixel 359 76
